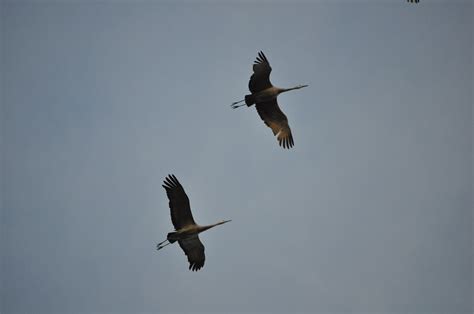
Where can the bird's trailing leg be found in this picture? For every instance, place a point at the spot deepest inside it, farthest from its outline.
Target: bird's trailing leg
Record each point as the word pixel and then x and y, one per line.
pixel 234 104
pixel 160 245
pixel 162 242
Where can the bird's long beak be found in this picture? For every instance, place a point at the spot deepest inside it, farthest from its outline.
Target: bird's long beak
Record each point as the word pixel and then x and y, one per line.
pixel 224 221
pixel 301 86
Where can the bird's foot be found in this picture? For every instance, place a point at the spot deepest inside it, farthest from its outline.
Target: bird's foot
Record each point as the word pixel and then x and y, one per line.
pixel 235 106
pixel 159 246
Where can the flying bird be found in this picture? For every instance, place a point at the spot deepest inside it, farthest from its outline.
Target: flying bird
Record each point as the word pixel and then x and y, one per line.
pixel 264 96
pixel 186 230
pixel 416 1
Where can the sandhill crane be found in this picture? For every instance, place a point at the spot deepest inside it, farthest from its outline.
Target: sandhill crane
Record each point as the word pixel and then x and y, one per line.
pixel 264 96
pixel 186 230
pixel 416 1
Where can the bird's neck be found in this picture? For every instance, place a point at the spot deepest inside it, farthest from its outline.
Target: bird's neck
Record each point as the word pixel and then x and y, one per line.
pixel 283 90
pixel 207 227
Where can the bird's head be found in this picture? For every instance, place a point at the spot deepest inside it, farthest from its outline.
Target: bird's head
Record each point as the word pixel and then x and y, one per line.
pixel 282 90
pixel 300 86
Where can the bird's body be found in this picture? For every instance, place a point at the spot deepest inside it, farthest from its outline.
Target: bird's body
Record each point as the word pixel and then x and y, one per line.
pixel 268 94
pixel 264 96
pixel 186 230
pixel 189 231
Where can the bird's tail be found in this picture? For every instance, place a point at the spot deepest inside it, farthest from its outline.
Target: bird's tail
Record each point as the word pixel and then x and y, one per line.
pixel 172 237
pixel 249 100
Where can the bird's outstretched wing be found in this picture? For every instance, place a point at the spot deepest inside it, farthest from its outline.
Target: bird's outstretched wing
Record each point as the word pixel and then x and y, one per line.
pixel 194 250
pixel 275 119
pixel 260 78
pixel 179 203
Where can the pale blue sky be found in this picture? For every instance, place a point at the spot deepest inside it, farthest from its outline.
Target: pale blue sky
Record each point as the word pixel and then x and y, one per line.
pixel 370 211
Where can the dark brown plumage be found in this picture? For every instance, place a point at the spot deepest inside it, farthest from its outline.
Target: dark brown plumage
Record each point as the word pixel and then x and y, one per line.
pixel 180 209
pixel 260 79
pixel 276 120
pixel 186 230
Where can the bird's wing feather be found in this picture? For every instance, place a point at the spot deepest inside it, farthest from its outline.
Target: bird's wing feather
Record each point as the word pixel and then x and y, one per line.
pixel 260 78
pixel 179 203
pixel 275 119
pixel 194 250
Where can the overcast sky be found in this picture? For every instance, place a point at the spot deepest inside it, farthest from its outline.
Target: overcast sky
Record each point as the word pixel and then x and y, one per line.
pixel 370 211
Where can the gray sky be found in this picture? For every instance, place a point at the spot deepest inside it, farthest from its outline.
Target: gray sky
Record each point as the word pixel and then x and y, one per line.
pixel 370 211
